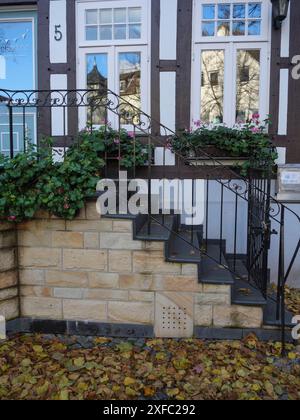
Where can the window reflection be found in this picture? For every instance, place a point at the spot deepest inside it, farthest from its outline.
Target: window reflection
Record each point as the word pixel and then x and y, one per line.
pixel 208 11
pixel 248 84
pixel 224 20
pixel 212 89
pixel 254 27
pixel 238 28
pixel 130 84
pixel 224 11
pixel 239 11
pixel 208 28
pixel 254 10
pixel 16 52
pixel 97 72
pixel 223 28
pixel 17 71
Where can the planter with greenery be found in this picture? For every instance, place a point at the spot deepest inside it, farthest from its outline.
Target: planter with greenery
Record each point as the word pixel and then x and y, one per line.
pixel 248 142
pixel 32 181
pixel 121 145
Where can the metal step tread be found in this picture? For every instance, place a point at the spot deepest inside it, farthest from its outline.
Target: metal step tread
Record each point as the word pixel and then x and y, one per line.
pixel 120 216
pixel 270 315
pixel 243 292
pixel 184 248
pixel 210 271
pixel 160 229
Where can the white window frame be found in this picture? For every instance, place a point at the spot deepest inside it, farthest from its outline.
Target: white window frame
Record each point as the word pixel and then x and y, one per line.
pixel 113 79
pixel 82 7
pixel 113 48
pixel 231 45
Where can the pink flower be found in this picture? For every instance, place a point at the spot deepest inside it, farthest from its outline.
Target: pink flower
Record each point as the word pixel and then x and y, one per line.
pixel 66 206
pixel 169 144
pixel 131 134
pixel 12 218
pixel 255 129
pixel 198 123
pixel 256 116
pixel 116 141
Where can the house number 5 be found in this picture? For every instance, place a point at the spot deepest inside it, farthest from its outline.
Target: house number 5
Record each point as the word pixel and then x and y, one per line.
pixel 58 33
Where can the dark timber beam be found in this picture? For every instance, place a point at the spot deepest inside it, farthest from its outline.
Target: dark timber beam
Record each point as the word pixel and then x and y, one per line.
pixel 184 60
pixel 155 63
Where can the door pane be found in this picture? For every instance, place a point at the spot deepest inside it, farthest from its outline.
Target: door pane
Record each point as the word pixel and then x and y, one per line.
pixel 254 10
pixel 224 11
pixel 92 17
pixel 208 28
pixel 120 15
pixel 134 15
pixel 97 73
pixel 120 32
pixel 254 27
pixel 91 33
pixel 105 16
pixel 130 84
pixel 239 11
pixel 16 52
pixel 135 31
pixel 208 11
pixel 248 84
pixel 212 86
pixel 223 28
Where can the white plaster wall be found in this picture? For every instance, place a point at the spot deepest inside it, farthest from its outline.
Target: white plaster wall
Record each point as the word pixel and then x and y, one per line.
pixel 168 100
pixel 59 114
pixel 214 217
pixel 58 31
pixel 168 30
pixel 283 102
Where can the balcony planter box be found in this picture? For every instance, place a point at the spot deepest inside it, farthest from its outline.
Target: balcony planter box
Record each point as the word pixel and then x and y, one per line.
pixel 212 156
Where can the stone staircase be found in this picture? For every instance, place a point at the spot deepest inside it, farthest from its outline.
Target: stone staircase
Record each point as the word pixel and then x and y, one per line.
pixel 183 246
pixel 119 276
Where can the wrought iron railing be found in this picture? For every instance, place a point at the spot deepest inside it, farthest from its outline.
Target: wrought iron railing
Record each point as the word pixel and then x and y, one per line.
pixel 240 212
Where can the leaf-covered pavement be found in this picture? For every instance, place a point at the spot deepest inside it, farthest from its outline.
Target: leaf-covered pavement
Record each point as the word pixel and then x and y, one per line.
pixel 57 367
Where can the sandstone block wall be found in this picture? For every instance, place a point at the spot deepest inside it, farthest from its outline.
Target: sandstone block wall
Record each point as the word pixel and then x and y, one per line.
pixel 9 304
pixel 91 269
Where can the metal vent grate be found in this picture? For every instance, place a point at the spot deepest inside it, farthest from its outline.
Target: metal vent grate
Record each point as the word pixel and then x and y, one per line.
pixel 174 318
pixel 174 315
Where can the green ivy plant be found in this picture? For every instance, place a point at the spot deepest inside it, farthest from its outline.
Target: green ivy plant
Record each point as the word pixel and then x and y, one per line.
pixel 119 144
pixel 64 189
pixel 32 181
pixel 249 141
pixel 19 196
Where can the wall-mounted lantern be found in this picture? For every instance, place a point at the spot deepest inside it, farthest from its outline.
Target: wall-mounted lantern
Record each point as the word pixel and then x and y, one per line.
pixel 280 11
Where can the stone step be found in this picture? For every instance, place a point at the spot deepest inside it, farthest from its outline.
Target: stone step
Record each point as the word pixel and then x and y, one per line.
pixel 211 271
pixel 243 292
pixel 183 247
pixel 270 318
pixel 158 229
